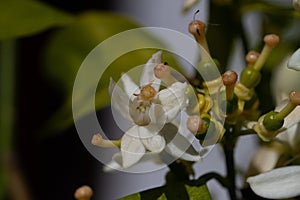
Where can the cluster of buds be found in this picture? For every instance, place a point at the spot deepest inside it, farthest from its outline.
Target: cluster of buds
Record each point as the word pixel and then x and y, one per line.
pixel 232 98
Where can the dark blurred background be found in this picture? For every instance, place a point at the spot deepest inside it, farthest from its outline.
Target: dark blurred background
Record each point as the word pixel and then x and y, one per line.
pixel 54 166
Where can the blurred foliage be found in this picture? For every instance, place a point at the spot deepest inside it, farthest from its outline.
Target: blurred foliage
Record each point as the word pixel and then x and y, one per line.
pixel 73 37
pixel 172 192
pixel 178 186
pixel 67 49
pixel 20 18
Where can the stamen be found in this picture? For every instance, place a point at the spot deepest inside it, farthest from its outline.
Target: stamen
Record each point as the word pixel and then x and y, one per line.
pixel 273 121
pixel 83 193
pixel 147 93
pixel 162 71
pixel 229 80
pixel 271 41
pixel 99 141
pixel 294 101
pixel 197 29
pixel 194 17
pixel 252 57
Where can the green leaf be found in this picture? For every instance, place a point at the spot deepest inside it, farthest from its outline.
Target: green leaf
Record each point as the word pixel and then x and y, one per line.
pixel 135 196
pixel 155 193
pixel 7 107
pixel 22 18
pixel 67 49
pixel 162 197
pixel 198 192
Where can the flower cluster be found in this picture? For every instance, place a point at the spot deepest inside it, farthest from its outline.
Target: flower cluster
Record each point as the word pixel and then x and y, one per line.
pixel 152 113
pixel 226 107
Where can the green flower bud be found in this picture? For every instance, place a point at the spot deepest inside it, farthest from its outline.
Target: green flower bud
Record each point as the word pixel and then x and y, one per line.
pixel 271 122
pixel 207 124
pixel 250 77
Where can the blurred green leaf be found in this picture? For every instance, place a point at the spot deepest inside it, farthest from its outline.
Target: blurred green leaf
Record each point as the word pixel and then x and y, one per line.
pixel 269 8
pixel 7 107
pixel 67 49
pixel 198 192
pixel 155 193
pixel 135 196
pixel 21 18
pixel 162 197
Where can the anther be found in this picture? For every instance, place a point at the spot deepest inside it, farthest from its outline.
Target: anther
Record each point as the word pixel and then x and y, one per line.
pixel 83 193
pixel 98 140
pixel 229 79
pixel 197 29
pixel 252 57
pixel 147 93
pixel 162 72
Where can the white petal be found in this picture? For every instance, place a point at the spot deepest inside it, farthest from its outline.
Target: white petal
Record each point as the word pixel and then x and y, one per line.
pixel 280 86
pixel 115 164
pixel 129 86
pixel 158 119
pixel 291 136
pixel 154 144
pixel 173 99
pixel 157 115
pixel 264 159
pixel 119 100
pixel 148 73
pixel 296 4
pixel 294 62
pixel 188 4
pixel 132 150
pixel 293 118
pixel 142 132
pixel 177 145
pixel 278 183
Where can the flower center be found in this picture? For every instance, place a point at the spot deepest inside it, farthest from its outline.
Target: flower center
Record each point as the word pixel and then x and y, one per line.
pixel 140 106
pixel 147 93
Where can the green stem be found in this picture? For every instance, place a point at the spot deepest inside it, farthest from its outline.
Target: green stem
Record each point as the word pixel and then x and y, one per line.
pixel 230 170
pixel 206 177
pixel 228 144
pixel 246 132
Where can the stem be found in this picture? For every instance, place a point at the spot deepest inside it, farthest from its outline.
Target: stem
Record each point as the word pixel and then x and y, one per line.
pixel 228 144
pixel 286 110
pixel 246 132
pixel 206 177
pixel 230 170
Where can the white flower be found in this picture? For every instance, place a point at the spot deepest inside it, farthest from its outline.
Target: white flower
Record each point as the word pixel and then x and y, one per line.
pixel 150 111
pixel 281 88
pixel 294 62
pixel 289 134
pixel 188 4
pixel 296 4
pixel 278 183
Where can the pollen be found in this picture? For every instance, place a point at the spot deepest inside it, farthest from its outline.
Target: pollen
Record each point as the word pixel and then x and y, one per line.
pixel 147 93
